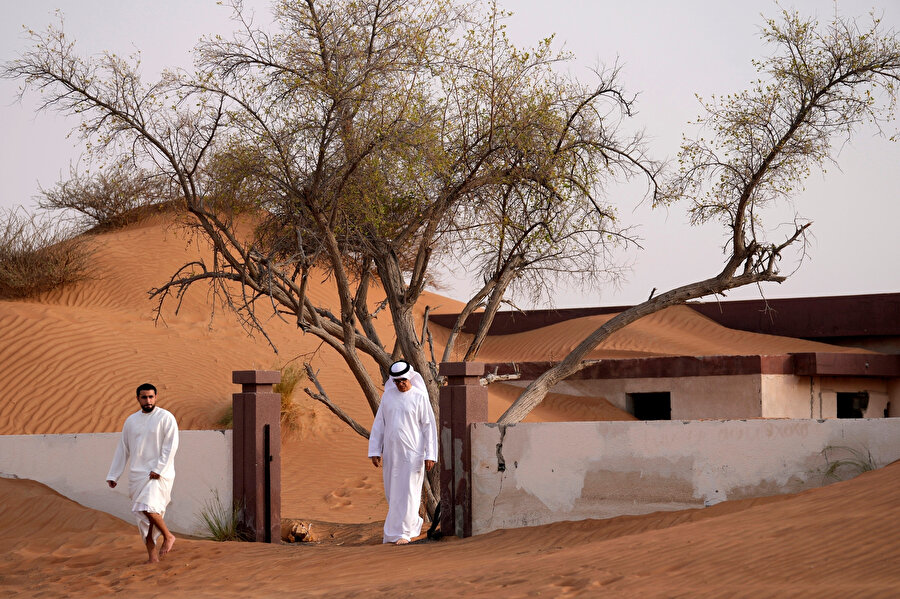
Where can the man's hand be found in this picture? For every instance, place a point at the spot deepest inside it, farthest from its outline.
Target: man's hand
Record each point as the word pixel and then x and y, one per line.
pixel 376 461
pixel 429 464
pixel 153 475
pixel 111 483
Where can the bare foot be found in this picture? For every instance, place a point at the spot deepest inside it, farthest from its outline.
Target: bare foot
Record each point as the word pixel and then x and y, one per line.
pixel 402 542
pixel 153 559
pixel 167 545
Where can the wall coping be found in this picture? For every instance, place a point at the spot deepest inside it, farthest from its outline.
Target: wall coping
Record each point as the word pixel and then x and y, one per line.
pixel 799 364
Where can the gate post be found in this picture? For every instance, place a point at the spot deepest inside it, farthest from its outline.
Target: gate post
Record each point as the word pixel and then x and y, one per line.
pixel 257 453
pixel 463 401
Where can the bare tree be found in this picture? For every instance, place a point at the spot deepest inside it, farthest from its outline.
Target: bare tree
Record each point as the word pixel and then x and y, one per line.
pixel 358 134
pixel 821 83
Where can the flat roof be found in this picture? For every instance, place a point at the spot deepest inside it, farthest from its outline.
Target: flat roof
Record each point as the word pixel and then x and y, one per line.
pixel 799 364
pixel 829 317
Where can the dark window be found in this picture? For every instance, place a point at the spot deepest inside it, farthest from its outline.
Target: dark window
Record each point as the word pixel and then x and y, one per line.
pixel 650 406
pixel 852 405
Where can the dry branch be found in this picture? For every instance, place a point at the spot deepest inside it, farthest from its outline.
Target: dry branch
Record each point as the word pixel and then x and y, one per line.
pixel 323 397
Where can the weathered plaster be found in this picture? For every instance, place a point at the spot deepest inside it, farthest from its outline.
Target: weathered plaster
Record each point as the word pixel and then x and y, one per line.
pixel 721 396
pixel 578 470
pixel 893 391
pixel 743 396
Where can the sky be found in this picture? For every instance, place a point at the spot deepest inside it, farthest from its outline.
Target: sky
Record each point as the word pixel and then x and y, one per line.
pixel 670 52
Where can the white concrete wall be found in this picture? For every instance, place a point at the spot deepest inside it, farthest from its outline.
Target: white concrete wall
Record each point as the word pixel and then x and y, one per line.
pixel 579 470
pixel 76 466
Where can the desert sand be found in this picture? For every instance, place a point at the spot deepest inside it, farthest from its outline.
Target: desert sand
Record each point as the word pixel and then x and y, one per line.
pixel 838 541
pixel 70 360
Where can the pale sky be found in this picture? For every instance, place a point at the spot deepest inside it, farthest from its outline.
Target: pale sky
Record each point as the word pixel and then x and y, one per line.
pixel 670 50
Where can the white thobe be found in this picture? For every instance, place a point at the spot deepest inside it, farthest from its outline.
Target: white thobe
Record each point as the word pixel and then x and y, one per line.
pixel 404 435
pixel 150 441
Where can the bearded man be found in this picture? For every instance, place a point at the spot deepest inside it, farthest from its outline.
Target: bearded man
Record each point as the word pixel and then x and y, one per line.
pixel 150 440
pixel 404 441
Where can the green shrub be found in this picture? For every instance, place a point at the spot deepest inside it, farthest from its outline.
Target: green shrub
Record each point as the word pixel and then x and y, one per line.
pixel 222 523
pixel 859 461
pixel 226 420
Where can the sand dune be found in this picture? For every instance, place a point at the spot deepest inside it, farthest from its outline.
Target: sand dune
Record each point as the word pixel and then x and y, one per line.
pixel 556 407
pixel 829 542
pixel 675 331
pixel 72 358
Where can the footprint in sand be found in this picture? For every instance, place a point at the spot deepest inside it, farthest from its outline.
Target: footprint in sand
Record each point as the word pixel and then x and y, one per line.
pixel 363 484
pixel 340 497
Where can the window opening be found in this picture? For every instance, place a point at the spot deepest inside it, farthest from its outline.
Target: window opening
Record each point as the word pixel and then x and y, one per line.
pixel 852 405
pixel 649 406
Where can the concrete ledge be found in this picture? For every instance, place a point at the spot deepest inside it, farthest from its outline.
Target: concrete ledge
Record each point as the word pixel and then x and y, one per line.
pixel 462 369
pixel 827 317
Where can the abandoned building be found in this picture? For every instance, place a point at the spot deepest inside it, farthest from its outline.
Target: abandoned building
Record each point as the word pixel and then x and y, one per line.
pixel 860 381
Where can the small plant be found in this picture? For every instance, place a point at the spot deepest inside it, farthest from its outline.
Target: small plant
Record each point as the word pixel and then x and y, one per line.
pixel 859 461
pixel 222 523
pixel 38 255
pixel 226 420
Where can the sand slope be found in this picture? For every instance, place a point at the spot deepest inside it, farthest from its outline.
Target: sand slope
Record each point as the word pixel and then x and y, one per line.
pixel 837 541
pixel 70 361
pixel 675 331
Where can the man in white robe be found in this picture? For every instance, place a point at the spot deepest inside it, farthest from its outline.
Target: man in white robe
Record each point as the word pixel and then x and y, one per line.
pixel 150 440
pixel 404 441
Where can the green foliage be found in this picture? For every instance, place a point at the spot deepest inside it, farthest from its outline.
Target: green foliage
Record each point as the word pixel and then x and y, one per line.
pixel 859 461
pixel 758 145
pixel 222 523
pixel 375 137
pixel 38 255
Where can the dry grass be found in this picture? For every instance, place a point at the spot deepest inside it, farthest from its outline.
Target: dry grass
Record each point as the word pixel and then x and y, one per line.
pixel 38 254
pixel 292 412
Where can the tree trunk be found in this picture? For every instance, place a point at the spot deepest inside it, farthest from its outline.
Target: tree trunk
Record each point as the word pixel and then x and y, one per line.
pixel 535 392
pixel 490 310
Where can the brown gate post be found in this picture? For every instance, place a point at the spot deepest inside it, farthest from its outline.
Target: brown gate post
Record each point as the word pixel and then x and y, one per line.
pixel 257 453
pixel 463 401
